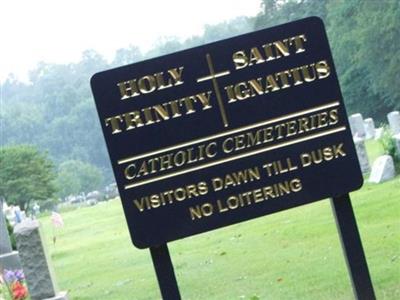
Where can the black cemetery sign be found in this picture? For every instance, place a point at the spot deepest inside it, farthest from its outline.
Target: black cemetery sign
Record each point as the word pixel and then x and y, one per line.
pixel 226 132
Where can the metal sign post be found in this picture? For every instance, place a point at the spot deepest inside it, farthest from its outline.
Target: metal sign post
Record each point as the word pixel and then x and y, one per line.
pixel 165 272
pixel 352 248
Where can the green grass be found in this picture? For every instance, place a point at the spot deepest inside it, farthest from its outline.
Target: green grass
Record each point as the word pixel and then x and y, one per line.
pixel 295 254
pixel 374 149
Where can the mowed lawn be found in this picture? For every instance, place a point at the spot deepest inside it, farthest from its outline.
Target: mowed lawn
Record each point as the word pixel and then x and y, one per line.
pixel 295 254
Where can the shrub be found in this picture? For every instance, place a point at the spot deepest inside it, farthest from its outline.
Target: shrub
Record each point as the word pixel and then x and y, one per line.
pixel 389 146
pixel 11 234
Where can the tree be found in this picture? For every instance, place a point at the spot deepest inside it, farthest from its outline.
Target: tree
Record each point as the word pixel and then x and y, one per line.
pixel 364 37
pixel 25 175
pixel 126 56
pixel 275 12
pixel 75 177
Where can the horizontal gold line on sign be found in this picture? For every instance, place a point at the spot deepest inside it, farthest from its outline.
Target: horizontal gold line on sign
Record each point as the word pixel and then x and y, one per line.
pixel 235 157
pixel 222 134
pixel 216 75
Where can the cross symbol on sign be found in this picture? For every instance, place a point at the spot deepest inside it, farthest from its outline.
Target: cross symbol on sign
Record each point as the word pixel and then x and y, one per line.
pixel 213 76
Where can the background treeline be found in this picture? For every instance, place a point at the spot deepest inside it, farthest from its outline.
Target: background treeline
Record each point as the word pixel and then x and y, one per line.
pixel 55 111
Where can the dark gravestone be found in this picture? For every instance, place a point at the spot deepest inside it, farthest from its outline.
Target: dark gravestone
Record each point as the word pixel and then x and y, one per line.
pixel 35 261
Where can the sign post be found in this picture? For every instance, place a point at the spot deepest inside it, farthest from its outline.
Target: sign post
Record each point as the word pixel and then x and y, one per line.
pixel 227 132
pixel 165 272
pixel 352 247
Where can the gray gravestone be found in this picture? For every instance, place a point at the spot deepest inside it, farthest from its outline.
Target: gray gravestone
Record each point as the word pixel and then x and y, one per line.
pixel 8 258
pixel 369 127
pixel 382 169
pixel 357 125
pixel 34 259
pixel 362 155
pixel 394 122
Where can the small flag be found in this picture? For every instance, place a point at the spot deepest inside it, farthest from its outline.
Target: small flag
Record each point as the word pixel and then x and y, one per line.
pixel 56 219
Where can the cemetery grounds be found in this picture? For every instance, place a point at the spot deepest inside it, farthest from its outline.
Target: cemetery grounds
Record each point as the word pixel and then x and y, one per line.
pixel 295 254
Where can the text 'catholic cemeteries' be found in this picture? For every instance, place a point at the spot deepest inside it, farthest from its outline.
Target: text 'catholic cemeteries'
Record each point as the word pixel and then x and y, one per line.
pixel 226 132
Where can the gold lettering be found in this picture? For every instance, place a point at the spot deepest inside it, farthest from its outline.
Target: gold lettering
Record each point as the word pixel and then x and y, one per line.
pixel 161 112
pixel 130 171
pixel 306 74
pixel 128 89
pixel 226 147
pixel 176 75
pixel 231 94
pixel 161 82
pixel 175 109
pixel 133 120
pixel 323 69
pixel 268 52
pixel 240 59
pixel 114 121
pixel 255 56
pixel 147 84
pixel 298 42
pixel 282 48
pixel 296 76
pixel 150 83
pixel 204 99
pixel 333 117
pixel 271 84
pixel 242 94
pixel 256 87
pixel 284 78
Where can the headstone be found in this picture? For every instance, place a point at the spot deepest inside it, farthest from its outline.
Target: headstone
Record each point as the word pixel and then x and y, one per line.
pixel 362 155
pixel 394 121
pixel 382 169
pixel 35 262
pixel 378 133
pixel 8 258
pixel 369 127
pixel 357 125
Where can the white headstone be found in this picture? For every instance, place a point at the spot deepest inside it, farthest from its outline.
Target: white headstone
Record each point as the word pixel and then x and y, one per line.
pixel 362 155
pixel 357 126
pixel 378 133
pixel 382 169
pixel 394 121
pixel 369 127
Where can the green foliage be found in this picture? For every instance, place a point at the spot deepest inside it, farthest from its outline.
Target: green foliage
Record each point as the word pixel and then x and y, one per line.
pixel 389 146
pixel 378 54
pixel 25 175
pixel 364 38
pixel 49 204
pixel 127 56
pixel 275 12
pixel 10 230
pixel 362 35
pixel 75 176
